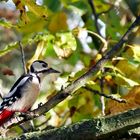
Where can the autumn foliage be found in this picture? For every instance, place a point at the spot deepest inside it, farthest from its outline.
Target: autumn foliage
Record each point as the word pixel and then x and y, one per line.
pixel 72 36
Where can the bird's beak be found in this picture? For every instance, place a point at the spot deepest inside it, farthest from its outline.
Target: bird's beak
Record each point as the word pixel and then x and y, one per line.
pixel 51 70
pixel 48 71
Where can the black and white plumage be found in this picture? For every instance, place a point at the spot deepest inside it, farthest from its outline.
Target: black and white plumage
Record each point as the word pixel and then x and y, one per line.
pixel 25 91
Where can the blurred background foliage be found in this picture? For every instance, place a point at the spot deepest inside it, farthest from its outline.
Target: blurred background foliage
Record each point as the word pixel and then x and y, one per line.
pixel 71 36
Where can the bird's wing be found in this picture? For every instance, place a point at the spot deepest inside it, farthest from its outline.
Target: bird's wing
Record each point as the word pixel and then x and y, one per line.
pixel 15 92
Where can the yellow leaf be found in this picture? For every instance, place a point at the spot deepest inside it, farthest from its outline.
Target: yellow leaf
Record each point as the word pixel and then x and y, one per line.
pixel 129 70
pixel 23 14
pixel 122 80
pixel 37 54
pixel 126 67
pixel 32 26
pixel 38 10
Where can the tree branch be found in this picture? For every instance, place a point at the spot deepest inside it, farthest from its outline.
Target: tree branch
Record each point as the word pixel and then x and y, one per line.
pixel 106 96
pixel 100 128
pixel 81 81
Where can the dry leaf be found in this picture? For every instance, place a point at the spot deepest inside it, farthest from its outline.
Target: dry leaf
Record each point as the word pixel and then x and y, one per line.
pixel 7 71
pixel 132 101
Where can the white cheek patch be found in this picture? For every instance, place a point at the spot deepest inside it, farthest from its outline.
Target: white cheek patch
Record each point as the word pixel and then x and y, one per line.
pixel 38 66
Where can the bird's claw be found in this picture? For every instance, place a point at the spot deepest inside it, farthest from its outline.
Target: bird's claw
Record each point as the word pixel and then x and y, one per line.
pixel 28 115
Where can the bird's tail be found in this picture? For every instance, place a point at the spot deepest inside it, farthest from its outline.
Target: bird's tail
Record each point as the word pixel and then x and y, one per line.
pixel 5 115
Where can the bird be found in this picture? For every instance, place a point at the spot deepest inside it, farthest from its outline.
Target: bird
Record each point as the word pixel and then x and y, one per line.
pixel 25 91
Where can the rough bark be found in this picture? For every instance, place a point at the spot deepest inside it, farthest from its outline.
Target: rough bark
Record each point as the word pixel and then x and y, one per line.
pixel 111 127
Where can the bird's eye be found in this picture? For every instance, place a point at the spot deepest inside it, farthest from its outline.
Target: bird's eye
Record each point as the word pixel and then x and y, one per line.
pixel 44 65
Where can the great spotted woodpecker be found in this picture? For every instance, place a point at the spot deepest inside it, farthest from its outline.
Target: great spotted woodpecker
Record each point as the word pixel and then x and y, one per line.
pixel 25 91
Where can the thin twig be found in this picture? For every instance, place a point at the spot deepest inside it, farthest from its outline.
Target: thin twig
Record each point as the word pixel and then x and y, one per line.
pixel 91 2
pixel 96 19
pixel 23 57
pixel 106 96
pixel 102 91
pixel 1 94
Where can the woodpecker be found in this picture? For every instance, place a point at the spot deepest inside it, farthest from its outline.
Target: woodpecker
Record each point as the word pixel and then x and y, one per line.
pixel 25 91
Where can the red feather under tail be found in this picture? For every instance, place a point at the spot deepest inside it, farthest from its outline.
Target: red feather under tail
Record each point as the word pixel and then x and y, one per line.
pixel 5 115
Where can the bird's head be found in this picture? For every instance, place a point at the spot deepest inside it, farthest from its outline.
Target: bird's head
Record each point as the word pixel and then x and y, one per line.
pixel 40 68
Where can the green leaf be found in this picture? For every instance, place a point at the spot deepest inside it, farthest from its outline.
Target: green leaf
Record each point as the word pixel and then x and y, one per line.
pixel 38 10
pixel 114 28
pixel 79 7
pixel 101 6
pixel 9 48
pixel 5 23
pixel 82 100
pixel 33 26
pixel 54 5
pixel 78 117
pixel 64 44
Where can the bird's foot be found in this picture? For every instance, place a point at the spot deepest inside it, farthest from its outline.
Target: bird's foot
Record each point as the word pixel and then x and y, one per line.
pixel 28 115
